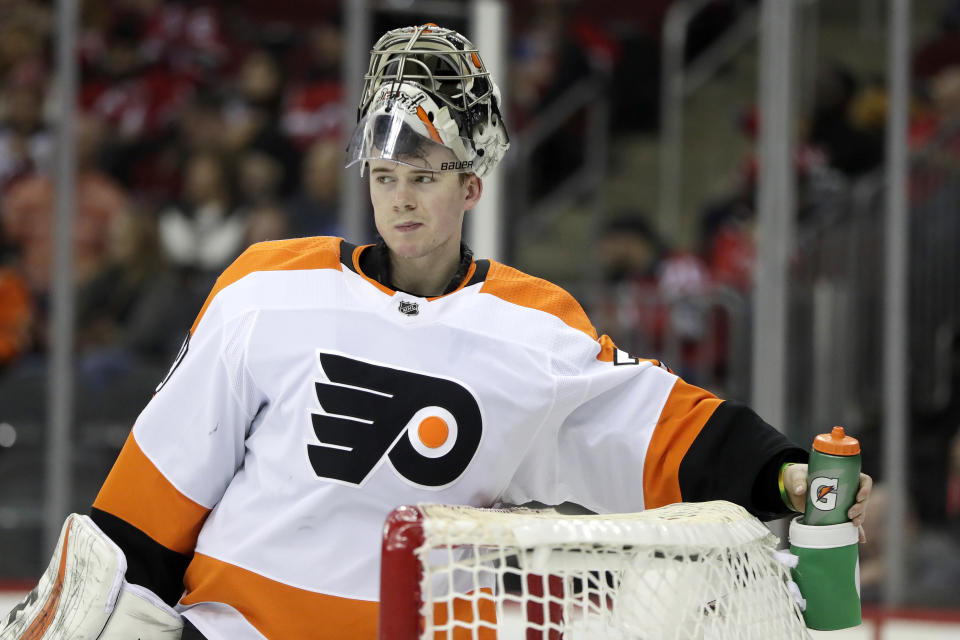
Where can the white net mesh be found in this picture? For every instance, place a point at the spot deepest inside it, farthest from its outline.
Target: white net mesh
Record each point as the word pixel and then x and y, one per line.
pixel 689 570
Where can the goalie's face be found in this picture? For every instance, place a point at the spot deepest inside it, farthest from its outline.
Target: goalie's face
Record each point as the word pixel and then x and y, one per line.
pixel 419 213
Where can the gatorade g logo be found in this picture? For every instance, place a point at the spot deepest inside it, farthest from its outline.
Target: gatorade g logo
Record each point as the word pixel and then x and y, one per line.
pixel 823 493
pixel 429 428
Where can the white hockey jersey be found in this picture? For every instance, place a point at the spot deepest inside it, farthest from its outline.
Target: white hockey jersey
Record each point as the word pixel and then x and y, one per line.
pixel 310 400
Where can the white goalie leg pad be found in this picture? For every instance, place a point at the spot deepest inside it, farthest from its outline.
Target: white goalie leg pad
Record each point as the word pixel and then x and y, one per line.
pixel 83 595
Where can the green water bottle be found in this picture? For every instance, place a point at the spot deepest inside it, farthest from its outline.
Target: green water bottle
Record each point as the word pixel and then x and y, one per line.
pixel 833 476
pixel 824 539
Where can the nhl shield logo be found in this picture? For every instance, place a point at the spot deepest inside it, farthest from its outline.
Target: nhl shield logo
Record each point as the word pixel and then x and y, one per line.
pixel 409 308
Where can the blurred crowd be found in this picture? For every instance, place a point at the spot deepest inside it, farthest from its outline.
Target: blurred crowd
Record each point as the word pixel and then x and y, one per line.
pixel 841 139
pixel 200 130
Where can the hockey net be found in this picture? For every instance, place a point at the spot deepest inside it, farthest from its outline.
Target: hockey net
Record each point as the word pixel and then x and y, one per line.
pixel 687 570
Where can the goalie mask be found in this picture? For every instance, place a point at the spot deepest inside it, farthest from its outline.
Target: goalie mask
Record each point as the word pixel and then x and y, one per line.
pixel 429 103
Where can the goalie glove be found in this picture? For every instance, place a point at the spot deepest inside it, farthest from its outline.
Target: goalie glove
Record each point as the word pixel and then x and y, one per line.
pixel 83 595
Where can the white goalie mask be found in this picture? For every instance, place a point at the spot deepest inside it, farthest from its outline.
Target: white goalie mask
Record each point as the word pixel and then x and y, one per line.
pixel 429 102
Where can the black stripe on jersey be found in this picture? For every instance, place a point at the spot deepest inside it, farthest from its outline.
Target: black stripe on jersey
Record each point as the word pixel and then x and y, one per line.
pixel 737 457
pixel 149 563
pixel 346 254
pixel 483 266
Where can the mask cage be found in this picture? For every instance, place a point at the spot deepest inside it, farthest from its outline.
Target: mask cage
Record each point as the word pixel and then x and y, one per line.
pixel 437 60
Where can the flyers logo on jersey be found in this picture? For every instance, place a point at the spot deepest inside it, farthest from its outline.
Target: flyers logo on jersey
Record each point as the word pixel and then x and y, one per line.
pixel 428 428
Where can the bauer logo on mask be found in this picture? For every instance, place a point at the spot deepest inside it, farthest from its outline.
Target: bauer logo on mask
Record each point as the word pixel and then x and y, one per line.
pixel 427 428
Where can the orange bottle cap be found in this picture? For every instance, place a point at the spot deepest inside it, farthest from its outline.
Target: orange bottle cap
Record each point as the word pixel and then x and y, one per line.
pixel 837 443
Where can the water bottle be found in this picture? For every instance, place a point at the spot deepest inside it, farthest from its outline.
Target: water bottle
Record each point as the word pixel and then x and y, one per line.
pixel 833 476
pixel 824 539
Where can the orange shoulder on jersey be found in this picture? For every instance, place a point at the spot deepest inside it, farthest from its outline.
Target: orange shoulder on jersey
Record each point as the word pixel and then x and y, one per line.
pixel 279 610
pixel 687 410
pixel 320 252
pixel 525 290
pixel 135 487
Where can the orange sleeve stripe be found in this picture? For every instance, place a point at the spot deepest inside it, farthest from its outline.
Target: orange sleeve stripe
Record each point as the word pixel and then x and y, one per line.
pixel 298 253
pixel 138 493
pixel 685 413
pixel 279 610
pixel 525 290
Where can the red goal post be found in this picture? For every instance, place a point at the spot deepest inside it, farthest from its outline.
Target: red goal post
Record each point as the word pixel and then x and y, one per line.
pixel 688 570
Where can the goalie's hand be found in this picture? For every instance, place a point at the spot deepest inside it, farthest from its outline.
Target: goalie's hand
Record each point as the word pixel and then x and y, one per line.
pixel 795 483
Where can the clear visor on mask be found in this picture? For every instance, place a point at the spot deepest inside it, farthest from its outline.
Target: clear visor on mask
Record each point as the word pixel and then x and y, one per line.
pixel 404 138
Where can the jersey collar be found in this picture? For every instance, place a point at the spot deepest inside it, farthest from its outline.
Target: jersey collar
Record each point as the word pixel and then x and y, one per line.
pixel 372 262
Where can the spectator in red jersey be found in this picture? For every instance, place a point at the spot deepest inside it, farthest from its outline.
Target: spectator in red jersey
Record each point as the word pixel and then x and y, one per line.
pixel 313 108
pixel 183 36
pixel 199 128
pixel 125 91
pixel 729 248
pixel 139 101
pixel 26 213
